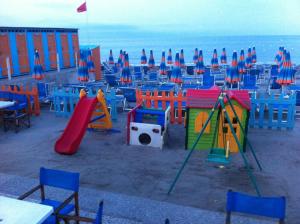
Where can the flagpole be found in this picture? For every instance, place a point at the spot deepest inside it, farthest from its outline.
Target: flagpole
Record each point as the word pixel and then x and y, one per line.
pixel 87 25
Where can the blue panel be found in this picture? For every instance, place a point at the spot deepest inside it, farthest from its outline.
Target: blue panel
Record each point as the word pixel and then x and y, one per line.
pixel 30 48
pixel 14 53
pixel 59 49
pixel 71 50
pixel 46 51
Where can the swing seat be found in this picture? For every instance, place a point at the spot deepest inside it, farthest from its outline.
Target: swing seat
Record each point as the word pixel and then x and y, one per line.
pixel 218 155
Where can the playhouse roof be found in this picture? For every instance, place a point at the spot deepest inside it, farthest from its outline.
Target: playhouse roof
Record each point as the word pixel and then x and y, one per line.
pixel 208 98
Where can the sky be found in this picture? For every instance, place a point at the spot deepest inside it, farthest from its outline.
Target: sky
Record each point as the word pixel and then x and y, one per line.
pixel 228 17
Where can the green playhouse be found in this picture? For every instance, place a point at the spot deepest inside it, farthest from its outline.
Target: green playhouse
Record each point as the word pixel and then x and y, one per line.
pixel 217 134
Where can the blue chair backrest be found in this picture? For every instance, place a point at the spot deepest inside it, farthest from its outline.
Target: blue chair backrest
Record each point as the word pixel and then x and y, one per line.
pixel 137 69
pixel 59 179
pixel 138 76
pixel 129 94
pixel 111 80
pixel 19 98
pixel 41 89
pixel 5 95
pixel 274 72
pixel 99 215
pixel 208 80
pixel 273 207
pixel 249 81
pixel 152 76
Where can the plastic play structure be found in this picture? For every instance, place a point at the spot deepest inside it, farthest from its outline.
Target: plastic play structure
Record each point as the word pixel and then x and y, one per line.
pixel 147 127
pixel 225 113
pixel 89 112
pixel 217 134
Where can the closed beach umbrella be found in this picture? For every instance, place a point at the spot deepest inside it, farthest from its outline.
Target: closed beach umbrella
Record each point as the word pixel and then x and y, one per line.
pixel 162 67
pixel 38 72
pixel 195 57
pixel 126 75
pixel 232 74
pixel 120 61
pixel 279 57
pixel 143 57
pixel 214 60
pixel 241 64
pixel 200 69
pixel 285 76
pixel 83 74
pixel 176 71
pixel 224 57
pixel 181 59
pixel 170 59
pixel 111 58
pixel 151 62
pixel 90 62
pixel 253 55
pixel 248 63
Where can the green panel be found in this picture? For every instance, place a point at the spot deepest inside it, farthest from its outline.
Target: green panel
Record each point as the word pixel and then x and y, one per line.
pixel 207 138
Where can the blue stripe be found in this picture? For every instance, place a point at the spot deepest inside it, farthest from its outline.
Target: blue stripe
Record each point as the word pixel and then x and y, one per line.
pixel 71 50
pixel 14 53
pixel 46 51
pixel 30 49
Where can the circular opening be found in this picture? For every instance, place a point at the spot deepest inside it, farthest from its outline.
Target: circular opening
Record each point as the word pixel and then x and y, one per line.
pixel 145 139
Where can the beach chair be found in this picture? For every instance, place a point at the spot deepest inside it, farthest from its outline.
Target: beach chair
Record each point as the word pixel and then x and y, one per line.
pixel 111 81
pixel 17 114
pixel 249 84
pixel 97 220
pixel 272 207
pixel 130 97
pixel 273 85
pixel 62 180
pixel 208 81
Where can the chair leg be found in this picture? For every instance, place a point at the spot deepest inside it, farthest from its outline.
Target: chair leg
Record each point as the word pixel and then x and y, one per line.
pixel 228 216
pixel 76 206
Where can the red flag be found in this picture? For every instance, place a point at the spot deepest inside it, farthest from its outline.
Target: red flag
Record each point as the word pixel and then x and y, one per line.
pixel 82 7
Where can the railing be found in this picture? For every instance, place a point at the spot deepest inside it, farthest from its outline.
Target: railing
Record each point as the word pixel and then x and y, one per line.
pixel 176 103
pixel 31 94
pixel 273 112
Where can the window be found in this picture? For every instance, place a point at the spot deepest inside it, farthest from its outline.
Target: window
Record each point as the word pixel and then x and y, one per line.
pixel 200 120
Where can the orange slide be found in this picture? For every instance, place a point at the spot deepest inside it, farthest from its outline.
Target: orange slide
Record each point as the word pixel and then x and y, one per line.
pixel 70 139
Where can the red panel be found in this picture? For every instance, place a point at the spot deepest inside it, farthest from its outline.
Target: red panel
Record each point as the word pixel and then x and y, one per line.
pixel 4 53
pixel 75 44
pixel 22 53
pixel 52 50
pixel 38 44
pixel 65 50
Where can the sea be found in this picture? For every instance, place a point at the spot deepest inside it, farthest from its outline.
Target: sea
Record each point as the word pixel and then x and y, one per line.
pixel 134 40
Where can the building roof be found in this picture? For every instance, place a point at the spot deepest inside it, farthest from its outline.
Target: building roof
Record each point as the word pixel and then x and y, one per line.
pixel 36 29
pixel 208 98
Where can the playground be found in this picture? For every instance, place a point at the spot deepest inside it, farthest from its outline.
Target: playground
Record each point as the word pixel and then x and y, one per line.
pixel 107 164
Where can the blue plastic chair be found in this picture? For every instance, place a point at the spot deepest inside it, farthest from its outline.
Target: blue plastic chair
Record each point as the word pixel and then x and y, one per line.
pixel 153 76
pixel 272 207
pixel 249 83
pixel 208 81
pixel 97 220
pixel 58 179
pixel 130 96
pixel 111 81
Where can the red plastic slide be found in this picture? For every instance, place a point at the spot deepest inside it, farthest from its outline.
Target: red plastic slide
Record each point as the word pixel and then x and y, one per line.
pixel 70 140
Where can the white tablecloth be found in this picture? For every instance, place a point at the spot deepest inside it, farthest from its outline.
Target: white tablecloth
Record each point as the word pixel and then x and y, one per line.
pixel 5 104
pixel 13 211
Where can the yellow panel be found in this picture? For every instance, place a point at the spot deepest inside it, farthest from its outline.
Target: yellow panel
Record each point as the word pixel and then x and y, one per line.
pixel 228 135
pixel 200 121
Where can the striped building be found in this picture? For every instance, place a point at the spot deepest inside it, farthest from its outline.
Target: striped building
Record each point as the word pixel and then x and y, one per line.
pixel 18 45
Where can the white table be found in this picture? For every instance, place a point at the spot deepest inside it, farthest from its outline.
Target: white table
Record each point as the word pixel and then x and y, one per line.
pixel 5 104
pixel 13 211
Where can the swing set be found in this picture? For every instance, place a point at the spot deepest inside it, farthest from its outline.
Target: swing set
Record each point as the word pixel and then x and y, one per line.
pixel 220 153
